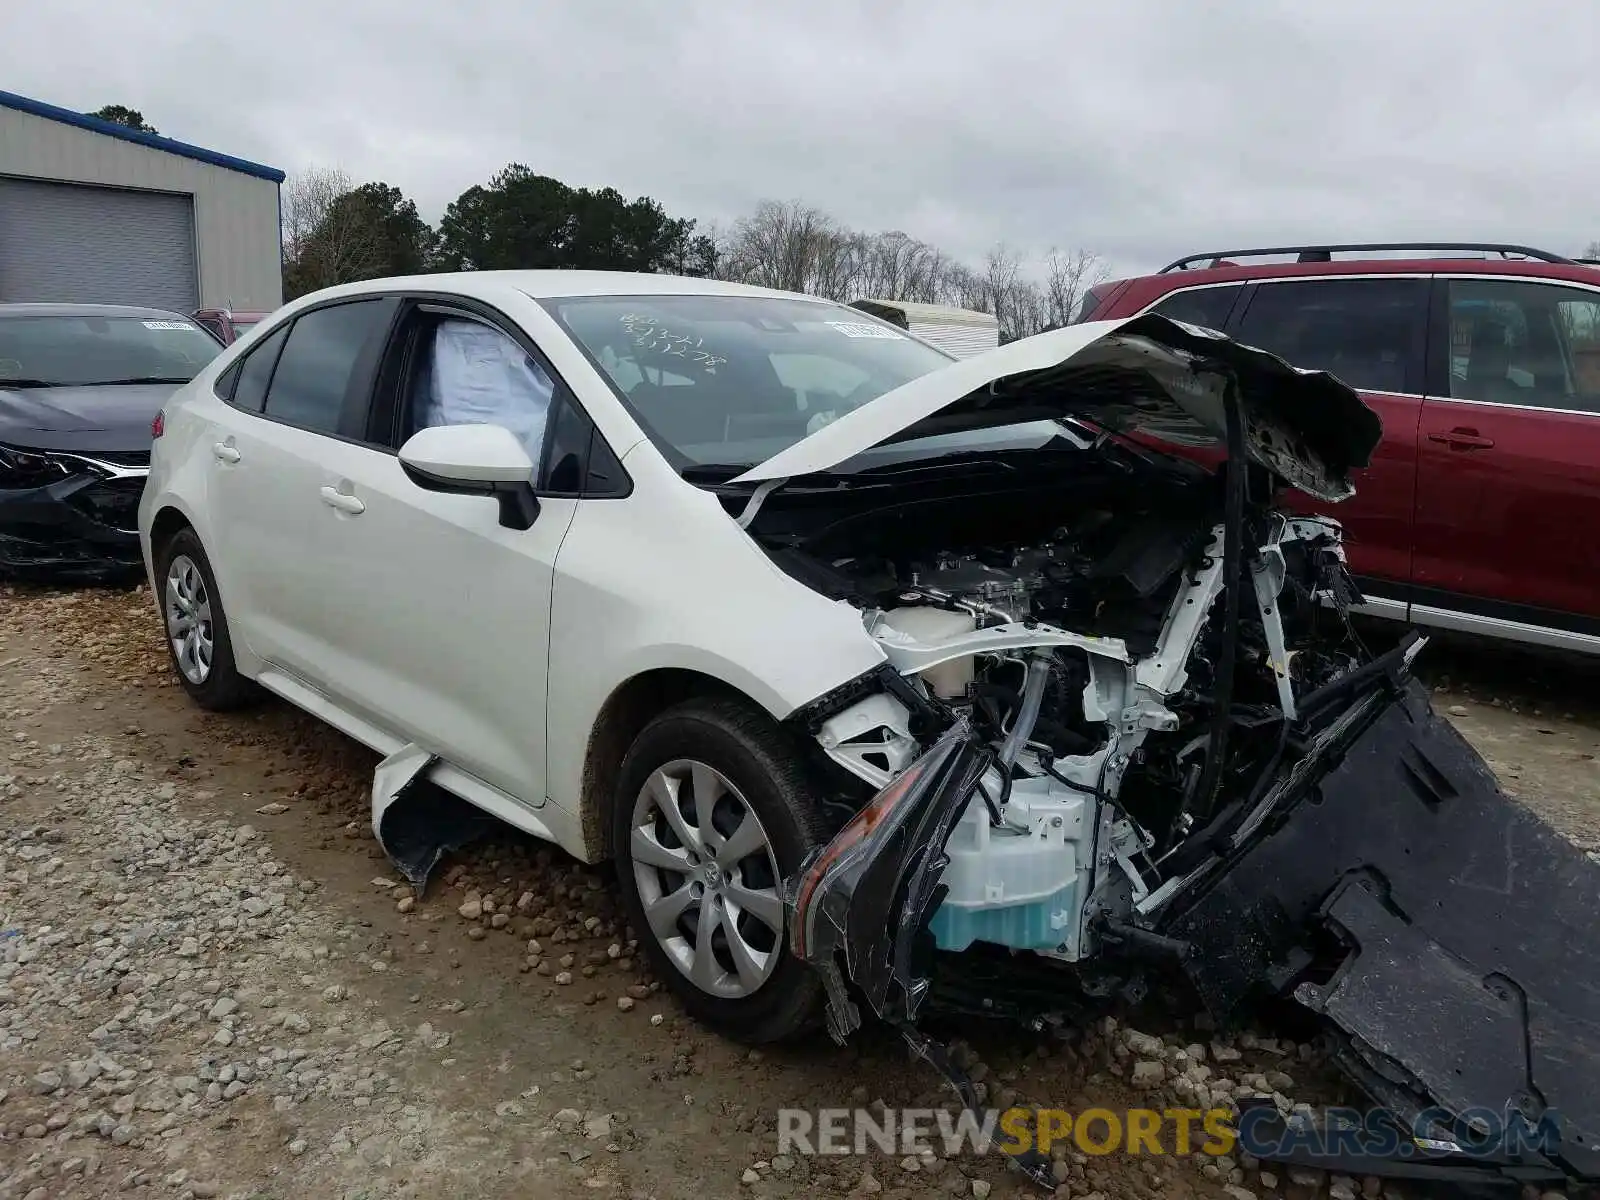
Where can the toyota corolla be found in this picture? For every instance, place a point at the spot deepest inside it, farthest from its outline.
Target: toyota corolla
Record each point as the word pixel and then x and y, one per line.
pixel 888 681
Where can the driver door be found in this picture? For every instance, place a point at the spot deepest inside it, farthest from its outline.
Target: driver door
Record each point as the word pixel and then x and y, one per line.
pixel 441 613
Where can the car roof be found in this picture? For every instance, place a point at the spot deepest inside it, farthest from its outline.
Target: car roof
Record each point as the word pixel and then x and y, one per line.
pixel 542 285
pixel 89 310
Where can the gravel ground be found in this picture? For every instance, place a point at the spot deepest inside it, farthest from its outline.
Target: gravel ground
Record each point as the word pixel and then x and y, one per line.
pixel 211 984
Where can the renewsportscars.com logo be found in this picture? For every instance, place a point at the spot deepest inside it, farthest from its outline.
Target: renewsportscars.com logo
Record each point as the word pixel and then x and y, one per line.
pixel 1259 1131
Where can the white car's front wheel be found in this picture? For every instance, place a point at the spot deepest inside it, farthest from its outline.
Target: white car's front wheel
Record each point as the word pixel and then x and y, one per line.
pixel 713 810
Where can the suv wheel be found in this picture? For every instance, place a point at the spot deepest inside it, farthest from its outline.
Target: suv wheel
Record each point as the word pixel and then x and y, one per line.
pixel 197 628
pixel 712 812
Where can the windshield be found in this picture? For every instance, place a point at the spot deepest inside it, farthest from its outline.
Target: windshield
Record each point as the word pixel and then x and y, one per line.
pixel 60 351
pixel 732 380
pixel 242 327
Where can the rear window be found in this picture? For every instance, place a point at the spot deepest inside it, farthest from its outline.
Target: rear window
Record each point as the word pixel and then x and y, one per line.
pixel 1089 304
pixel 63 351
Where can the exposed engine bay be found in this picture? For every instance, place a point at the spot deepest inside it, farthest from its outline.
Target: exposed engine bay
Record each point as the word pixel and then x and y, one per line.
pixel 1116 685
pixel 1085 654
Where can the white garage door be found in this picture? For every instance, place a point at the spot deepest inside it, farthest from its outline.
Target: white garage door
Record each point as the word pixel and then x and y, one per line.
pixel 91 245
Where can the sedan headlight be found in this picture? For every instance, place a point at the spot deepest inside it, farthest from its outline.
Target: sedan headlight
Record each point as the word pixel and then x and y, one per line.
pixel 30 468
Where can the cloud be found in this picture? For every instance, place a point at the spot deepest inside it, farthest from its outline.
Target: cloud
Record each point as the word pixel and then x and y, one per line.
pixel 1144 129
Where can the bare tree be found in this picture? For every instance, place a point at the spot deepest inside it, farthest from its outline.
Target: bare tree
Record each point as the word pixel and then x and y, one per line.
pixel 1067 278
pixel 896 266
pixel 328 238
pixel 792 246
pixel 796 247
pixel 307 199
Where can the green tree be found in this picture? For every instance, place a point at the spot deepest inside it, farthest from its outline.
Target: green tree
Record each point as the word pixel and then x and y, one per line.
pixel 524 220
pixel 120 114
pixel 350 233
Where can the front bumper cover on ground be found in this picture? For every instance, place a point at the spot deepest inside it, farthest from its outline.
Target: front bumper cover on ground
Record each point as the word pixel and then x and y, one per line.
pixel 1457 925
pixel 1466 925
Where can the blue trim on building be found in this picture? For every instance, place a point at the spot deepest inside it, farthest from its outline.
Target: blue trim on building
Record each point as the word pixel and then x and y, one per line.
pixel 66 116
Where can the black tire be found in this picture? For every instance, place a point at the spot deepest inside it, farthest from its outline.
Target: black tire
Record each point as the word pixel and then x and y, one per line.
pixel 223 688
pixel 754 754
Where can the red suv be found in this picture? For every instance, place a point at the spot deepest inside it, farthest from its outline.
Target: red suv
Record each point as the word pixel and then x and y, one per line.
pixel 228 324
pixel 1480 510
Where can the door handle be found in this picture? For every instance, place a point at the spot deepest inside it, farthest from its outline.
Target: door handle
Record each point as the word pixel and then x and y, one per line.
pixel 227 453
pixel 1462 439
pixel 343 501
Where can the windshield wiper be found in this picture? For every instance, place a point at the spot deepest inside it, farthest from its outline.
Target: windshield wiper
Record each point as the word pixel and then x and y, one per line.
pixel 136 379
pixel 713 472
pixel 32 383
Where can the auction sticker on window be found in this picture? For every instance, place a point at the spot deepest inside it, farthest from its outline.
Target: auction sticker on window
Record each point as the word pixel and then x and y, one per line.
pixel 860 329
pixel 167 325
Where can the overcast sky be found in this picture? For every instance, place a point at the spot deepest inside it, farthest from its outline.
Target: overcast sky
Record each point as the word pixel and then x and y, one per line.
pixel 1140 129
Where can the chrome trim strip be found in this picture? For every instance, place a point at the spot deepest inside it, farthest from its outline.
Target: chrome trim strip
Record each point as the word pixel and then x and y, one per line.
pixel 110 470
pixel 1517 631
pixel 1378 606
pixel 1527 408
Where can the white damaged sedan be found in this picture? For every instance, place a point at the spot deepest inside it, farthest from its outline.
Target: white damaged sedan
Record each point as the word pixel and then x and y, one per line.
pixel 878 674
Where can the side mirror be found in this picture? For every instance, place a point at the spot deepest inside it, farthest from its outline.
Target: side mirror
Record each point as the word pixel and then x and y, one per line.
pixel 474 460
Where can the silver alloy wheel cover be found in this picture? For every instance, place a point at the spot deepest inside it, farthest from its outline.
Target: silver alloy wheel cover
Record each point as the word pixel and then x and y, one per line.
pixel 705 875
pixel 187 607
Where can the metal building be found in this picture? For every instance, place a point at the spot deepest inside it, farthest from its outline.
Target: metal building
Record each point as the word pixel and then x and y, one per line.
pixel 95 212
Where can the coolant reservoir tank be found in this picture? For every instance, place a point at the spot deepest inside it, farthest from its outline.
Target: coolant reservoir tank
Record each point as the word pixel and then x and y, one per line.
pixel 948 680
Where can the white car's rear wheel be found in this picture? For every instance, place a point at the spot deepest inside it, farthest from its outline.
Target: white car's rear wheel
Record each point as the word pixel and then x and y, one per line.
pixel 196 627
pixel 713 810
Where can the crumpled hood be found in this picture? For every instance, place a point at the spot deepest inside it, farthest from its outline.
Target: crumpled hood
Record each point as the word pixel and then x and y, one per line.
pixel 1146 374
pixel 86 418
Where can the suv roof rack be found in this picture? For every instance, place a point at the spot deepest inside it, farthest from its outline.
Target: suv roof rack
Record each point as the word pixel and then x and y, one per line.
pixel 1325 252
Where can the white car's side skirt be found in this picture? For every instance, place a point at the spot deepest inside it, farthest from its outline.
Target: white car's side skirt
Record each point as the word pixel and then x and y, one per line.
pixel 547 821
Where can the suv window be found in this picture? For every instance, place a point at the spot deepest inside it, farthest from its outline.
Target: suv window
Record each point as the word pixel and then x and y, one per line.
pixel 1208 306
pixel 1530 344
pixel 308 388
pixel 1368 332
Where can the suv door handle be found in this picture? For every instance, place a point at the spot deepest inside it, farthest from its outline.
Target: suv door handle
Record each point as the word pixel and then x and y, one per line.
pixel 343 501
pixel 1462 439
pixel 227 453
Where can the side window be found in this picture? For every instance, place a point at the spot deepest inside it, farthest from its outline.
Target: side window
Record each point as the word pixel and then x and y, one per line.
pixel 1208 306
pixel 569 451
pixel 470 373
pixel 255 372
pixel 1531 344
pixel 1368 332
pixel 314 370
pixel 1088 304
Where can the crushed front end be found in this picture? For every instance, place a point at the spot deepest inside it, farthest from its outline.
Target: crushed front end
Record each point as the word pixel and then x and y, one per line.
pixel 70 515
pixel 1154 743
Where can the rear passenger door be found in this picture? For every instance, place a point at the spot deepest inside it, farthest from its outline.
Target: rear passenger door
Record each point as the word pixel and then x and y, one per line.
pixel 287 443
pixel 1508 494
pixel 1371 332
